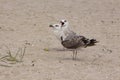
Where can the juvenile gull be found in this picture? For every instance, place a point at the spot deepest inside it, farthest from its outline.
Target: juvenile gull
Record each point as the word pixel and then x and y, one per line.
pixel 70 39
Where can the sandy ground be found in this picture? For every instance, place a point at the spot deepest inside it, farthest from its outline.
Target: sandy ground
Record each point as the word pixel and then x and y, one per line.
pixel 26 22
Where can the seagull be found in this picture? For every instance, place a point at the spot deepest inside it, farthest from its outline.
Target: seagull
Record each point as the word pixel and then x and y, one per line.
pixel 70 39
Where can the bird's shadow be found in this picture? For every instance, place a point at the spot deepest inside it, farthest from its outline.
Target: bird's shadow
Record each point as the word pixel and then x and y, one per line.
pixel 65 50
pixel 77 59
pixel 59 49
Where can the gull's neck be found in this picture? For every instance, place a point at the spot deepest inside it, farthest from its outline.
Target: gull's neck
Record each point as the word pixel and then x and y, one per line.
pixel 61 33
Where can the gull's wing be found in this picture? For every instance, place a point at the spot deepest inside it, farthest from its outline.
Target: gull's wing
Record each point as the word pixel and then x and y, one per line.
pixel 73 41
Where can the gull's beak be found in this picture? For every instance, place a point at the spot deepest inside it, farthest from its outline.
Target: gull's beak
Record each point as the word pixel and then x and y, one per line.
pixel 50 25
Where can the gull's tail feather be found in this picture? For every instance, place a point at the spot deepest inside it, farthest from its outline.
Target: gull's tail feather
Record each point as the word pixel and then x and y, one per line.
pixel 89 42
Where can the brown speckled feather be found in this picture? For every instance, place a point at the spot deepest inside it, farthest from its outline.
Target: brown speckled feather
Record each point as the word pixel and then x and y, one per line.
pixel 73 41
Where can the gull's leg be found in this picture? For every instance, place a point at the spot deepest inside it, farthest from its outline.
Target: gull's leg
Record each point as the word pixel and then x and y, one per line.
pixel 75 54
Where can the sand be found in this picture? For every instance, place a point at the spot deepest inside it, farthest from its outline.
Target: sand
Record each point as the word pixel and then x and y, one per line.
pixel 26 23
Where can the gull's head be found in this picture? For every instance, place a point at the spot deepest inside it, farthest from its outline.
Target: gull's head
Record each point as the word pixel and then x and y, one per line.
pixel 57 30
pixel 55 26
pixel 60 29
pixel 64 24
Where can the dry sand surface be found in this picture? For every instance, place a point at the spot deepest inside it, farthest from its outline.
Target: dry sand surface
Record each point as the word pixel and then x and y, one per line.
pixel 25 22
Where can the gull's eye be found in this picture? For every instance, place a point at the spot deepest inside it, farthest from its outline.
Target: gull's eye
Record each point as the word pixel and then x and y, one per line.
pixel 65 21
pixel 57 25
